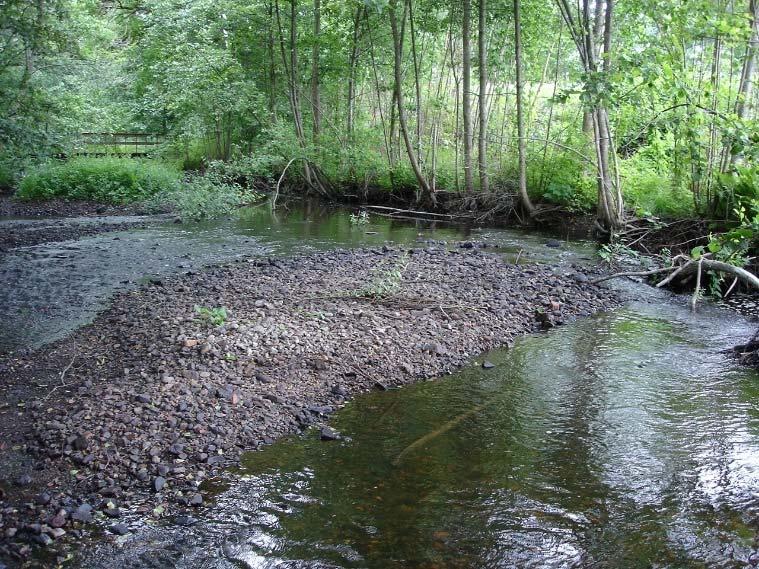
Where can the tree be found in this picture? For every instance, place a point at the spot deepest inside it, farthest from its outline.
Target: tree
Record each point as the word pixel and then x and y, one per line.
pixel 524 198
pixel 483 74
pixel 466 103
pixel 398 90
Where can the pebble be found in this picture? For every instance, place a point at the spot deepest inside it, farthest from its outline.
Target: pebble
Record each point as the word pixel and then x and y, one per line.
pixel 163 408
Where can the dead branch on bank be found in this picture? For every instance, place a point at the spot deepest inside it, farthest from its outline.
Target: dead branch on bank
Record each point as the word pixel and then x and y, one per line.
pixel 683 266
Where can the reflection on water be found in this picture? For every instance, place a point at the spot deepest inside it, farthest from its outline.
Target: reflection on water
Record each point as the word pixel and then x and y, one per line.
pixel 48 290
pixel 626 440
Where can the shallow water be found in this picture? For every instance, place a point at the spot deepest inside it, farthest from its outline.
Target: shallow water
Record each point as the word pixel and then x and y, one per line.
pixel 625 440
pixel 50 289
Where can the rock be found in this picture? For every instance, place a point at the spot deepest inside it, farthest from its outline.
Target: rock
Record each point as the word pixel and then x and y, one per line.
pixel 159 483
pixel 487 365
pixel 43 539
pixel 59 520
pixel 553 243
pixel 119 529
pixel 57 533
pixel 196 500
pixel 185 521
pixel 379 386
pixel 23 480
pixel 339 390
pixel 83 514
pixel 329 434
pixel 264 378
pixel 112 512
pixel 143 398
pixel 43 499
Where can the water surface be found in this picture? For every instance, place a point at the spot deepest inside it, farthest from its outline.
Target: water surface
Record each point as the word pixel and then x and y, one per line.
pixel 625 440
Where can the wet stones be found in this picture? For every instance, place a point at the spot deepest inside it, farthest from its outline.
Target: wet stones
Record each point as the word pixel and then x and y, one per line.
pixel 181 398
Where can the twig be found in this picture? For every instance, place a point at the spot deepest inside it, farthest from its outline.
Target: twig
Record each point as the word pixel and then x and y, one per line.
pixel 697 292
pixel 63 376
pixel 671 277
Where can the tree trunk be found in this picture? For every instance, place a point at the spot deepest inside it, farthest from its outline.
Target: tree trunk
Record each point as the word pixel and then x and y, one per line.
pixel 743 101
pixel 466 95
pixel 524 198
pixel 272 67
pixel 397 50
pixel 483 138
pixel 352 63
pixel 315 94
pixel 578 21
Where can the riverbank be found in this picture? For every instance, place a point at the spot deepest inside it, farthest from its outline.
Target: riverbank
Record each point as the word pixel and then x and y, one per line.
pixel 136 410
pixel 37 222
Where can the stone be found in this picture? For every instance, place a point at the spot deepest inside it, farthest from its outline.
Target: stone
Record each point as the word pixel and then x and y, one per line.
pixel 487 365
pixel 159 483
pixel 329 434
pixel 83 514
pixel 119 529
pixel 196 500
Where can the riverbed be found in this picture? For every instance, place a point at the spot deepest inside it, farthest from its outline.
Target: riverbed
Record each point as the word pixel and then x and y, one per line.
pixel 628 439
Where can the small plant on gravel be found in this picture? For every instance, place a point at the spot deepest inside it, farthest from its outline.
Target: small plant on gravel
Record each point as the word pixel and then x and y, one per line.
pixel 212 316
pixel 388 281
pixel 360 218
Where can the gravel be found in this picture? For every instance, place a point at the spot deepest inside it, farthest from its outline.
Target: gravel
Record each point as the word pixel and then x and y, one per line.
pixel 157 398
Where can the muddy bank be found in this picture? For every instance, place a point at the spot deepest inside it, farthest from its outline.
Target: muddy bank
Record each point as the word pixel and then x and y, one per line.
pixel 136 410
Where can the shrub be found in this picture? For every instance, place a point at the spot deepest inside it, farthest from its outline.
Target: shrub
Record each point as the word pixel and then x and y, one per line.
pixel 202 198
pixel 648 188
pixel 109 180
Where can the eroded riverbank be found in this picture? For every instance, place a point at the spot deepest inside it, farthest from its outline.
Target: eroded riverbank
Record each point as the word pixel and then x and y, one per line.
pixel 144 404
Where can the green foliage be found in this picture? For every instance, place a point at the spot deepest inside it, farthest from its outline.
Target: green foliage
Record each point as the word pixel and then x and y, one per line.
pixel 212 316
pixel 737 191
pixel 359 218
pixel 648 188
pixel 7 177
pixel 387 280
pixel 611 252
pixel 203 198
pixel 108 180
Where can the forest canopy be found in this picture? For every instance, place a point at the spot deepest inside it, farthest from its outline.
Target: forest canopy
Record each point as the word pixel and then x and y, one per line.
pixel 646 104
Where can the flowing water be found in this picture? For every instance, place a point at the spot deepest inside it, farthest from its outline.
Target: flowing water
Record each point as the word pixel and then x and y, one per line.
pixel 51 289
pixel 624 440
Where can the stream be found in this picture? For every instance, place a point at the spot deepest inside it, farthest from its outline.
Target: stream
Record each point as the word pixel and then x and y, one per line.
pixel 624 440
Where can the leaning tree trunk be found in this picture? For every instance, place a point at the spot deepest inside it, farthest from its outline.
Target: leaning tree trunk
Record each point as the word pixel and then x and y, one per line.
pixel 524 198
pixel 397 49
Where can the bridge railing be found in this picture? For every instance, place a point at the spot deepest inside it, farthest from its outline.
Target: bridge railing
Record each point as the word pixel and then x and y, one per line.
pixel 132 144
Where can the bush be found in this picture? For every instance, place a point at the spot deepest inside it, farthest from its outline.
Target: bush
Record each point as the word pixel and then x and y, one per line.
pixel 648 188
pixel 109 180
pixel 202 198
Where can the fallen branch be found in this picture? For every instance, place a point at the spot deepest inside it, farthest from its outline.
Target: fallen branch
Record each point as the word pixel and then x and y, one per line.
pixel 447 426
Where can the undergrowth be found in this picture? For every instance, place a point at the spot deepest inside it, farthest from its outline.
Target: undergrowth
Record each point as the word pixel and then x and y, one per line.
pixel 108 180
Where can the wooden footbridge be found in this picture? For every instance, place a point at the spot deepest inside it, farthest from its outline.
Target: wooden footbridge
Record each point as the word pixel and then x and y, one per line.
pixel 123 144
